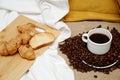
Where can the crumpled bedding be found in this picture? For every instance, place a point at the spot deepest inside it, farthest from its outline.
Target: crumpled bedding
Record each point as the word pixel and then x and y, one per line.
pixel 48 66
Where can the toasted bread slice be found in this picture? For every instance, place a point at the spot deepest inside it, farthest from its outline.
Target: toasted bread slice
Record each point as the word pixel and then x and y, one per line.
pixel 41 39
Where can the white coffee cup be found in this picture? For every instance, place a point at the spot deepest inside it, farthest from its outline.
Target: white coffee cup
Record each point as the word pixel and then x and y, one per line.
pixel 97 48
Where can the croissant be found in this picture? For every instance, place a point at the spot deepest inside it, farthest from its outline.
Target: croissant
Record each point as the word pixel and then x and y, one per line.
pixel 26 52
pixel 27 28
pixel 25 38
pixel 9 48
pixel 13 45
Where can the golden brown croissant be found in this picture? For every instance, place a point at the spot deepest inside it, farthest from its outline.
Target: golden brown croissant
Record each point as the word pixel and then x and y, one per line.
pixel 9 48
pixel 13 45
pixel 25 37
pixel 27 52
pixel 27 28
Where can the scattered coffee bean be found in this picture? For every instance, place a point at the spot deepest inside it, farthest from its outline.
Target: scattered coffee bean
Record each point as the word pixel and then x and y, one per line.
pixel 95 76
pixel 99 26
pixel 76 51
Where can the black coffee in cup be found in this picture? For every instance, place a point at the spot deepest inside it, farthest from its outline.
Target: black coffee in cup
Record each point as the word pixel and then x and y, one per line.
pixel 99 38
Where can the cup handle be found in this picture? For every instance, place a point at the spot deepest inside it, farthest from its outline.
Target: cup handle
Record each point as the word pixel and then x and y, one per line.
pixel 85 37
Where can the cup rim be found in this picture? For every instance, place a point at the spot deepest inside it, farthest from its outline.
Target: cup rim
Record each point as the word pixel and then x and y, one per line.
pixel 102 33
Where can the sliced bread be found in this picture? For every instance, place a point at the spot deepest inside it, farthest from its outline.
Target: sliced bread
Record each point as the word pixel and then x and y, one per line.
pixel 41 39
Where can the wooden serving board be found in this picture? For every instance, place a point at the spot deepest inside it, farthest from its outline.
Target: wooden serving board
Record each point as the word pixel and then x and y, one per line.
pixel 13 67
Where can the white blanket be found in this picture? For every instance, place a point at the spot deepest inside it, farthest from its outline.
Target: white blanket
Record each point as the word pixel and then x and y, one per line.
pixel 48 66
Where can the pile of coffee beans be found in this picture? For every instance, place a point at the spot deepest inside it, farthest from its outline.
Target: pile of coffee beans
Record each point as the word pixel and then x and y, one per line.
pixel 76 51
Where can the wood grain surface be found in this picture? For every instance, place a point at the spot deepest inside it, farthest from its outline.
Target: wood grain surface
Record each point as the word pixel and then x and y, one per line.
pixel 13 67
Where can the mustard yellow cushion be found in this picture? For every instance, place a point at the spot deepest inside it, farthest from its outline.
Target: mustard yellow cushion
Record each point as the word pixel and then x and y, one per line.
pixel 107 10
pixel 118 2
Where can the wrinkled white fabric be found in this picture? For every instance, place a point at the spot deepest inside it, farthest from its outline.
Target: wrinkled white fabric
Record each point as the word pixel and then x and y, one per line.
pixel 48 66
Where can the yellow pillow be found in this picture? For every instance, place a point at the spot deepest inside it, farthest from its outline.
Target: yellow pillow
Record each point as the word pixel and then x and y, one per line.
pixel 118 2
pixel 107 10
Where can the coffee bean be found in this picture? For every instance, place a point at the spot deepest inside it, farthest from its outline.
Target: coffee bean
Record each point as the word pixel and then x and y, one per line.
pixel 99 26
pixel 95 76
pixel 76 51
